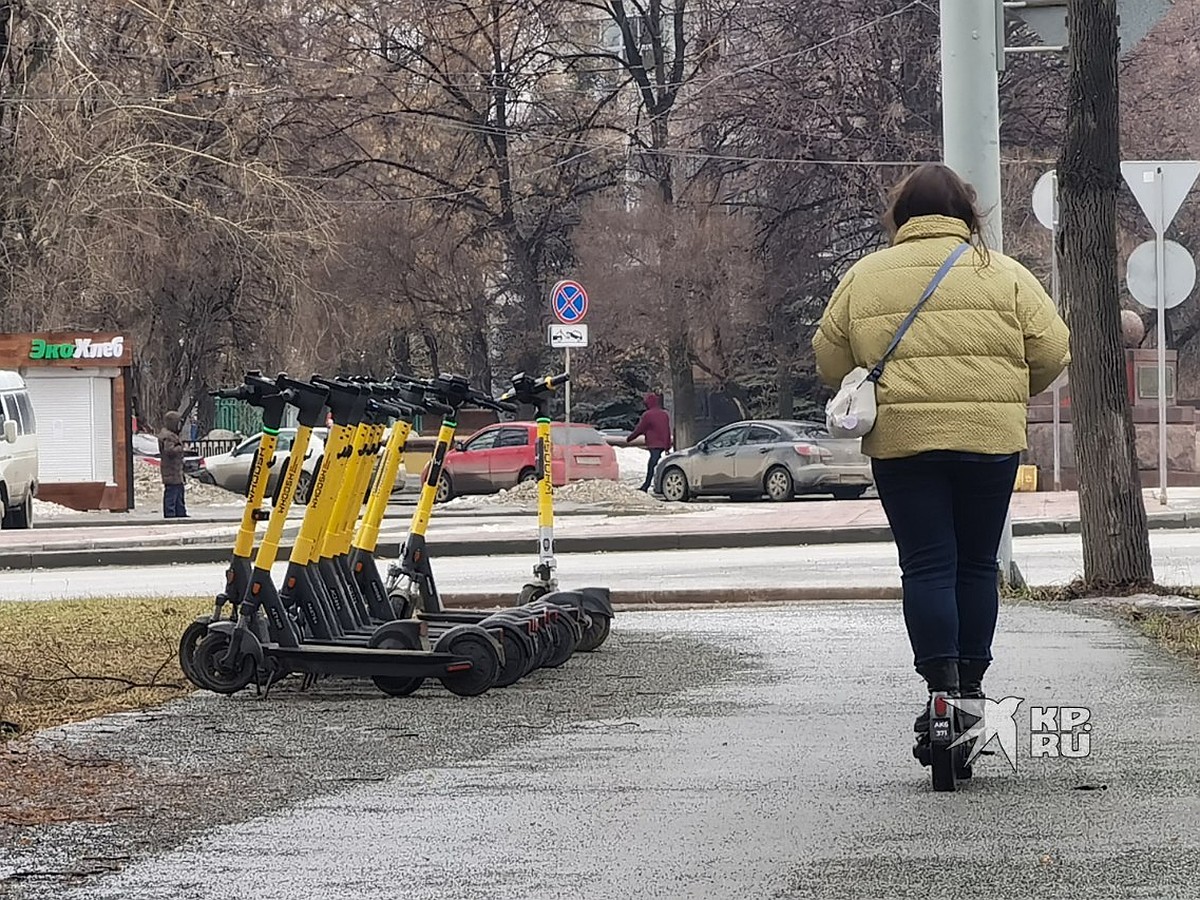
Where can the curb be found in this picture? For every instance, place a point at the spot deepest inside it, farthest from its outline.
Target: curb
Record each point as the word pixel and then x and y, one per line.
pixel 181 553
pixel 702 599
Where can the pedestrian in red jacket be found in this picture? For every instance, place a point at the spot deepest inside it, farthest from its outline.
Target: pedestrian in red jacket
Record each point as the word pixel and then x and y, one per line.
pixel 655 426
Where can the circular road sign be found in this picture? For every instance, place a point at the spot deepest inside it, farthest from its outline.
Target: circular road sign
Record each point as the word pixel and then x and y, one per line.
pixel 1142 277
pixel 570 302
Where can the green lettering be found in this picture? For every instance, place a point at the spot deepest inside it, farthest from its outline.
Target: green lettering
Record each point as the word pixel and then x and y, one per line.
pixel 38 349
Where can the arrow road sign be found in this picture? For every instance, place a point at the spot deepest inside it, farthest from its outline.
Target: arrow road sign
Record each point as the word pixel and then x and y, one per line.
pixel 570 302
pixel 564 337
pixel 1141 274
pixel 1160 187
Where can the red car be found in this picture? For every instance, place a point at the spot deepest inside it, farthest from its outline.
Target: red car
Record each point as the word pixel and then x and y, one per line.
pixel 502 456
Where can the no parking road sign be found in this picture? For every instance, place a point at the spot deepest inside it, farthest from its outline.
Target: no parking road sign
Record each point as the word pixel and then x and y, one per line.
pixel 570 302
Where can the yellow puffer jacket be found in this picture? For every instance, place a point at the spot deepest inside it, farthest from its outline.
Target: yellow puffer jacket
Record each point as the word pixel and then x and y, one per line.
pixel 961 378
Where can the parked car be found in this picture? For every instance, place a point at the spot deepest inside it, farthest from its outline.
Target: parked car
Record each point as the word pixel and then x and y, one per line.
pixel 18 452
pixel 773 457
pixel 502 456
pixel 232 470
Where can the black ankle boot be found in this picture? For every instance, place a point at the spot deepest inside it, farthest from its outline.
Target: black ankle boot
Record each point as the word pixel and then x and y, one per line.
pixel 970 677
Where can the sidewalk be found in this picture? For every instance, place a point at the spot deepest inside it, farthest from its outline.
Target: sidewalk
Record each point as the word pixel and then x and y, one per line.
pixel 700 526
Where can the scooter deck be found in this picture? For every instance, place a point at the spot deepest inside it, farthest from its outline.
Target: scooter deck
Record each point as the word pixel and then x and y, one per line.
pixel 366 661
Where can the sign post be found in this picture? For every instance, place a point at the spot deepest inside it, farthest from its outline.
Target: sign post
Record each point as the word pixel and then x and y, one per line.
pixel 569 302
pixel 1045 207
pixel 1160 188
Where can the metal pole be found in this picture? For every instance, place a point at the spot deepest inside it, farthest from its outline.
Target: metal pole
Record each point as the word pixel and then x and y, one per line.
pixel 1055 292
pixel 972 55
pixel 567 400
pixel 1160 249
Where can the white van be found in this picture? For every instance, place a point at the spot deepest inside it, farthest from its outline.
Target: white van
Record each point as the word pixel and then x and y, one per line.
pixel 18 452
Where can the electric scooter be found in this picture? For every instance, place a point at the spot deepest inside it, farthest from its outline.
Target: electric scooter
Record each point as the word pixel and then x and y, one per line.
pixel 264 394
pixel 555 627
pixel 947 722
pixel 595 602
pixel 267 637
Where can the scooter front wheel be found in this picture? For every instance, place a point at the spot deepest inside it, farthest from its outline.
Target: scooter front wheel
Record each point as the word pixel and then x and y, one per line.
pixel 386 638
pixel 531 592
pixel 214 674
pixel 188 642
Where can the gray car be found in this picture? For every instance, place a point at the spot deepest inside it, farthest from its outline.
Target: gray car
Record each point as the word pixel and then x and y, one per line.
pixel 769 456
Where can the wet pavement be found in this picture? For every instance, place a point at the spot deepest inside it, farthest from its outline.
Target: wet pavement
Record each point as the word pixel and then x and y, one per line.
pixel 783 772
pixel 1046 560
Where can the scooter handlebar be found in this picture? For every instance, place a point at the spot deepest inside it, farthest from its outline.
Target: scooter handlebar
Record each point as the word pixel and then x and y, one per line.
pixel 529 390
pixel 393 408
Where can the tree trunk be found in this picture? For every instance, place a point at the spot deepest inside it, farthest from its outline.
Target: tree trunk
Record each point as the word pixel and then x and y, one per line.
pixel 683 388
pixel 785 384
pixel 1116 545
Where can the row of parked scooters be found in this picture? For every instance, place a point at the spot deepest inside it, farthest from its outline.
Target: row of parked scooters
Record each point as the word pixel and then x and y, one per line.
pixel 333 613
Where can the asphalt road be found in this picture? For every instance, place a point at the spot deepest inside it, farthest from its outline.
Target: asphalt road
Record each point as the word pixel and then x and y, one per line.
pixel 790 781
pixel 1047 560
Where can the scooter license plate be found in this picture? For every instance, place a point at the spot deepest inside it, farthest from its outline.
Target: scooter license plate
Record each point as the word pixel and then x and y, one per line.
pixel 939 731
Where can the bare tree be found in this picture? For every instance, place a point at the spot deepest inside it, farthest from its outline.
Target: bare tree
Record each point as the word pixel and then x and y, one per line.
pixel 1116 547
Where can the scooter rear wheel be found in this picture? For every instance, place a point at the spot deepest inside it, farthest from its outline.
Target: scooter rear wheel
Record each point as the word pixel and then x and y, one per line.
pixel 485 664
pixel 386 638
pixel 942 766
pixel 516 657
pixel 596 634
pixel 563 636
pixel 216 677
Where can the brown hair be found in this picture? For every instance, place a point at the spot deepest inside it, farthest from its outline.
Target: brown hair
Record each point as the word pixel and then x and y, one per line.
pixel 934 190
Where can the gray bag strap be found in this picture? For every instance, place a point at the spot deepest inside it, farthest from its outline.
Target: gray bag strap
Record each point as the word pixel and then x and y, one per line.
pixel 877 372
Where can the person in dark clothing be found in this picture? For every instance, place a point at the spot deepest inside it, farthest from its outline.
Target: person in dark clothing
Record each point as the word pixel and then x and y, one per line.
pixel 170 460
pixel 655 427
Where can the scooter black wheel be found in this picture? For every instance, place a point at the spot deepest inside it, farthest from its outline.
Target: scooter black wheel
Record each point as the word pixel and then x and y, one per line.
pixel 485 664
pixel 213 675
pixel 564 643
pixel 596 634
pixel 188 642
pixel 942 765
pixel 386 638
pixel 531 592
pixel 516 658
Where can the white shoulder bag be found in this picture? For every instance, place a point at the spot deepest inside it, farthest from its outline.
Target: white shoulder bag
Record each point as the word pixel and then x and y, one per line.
pixel 851 413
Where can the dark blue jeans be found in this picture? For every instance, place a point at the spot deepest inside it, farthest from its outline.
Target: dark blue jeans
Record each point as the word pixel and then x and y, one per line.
pixel 947 513
pixel 173 505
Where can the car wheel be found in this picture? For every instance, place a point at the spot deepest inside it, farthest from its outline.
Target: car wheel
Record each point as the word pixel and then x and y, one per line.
pixel 778 485
pixel 675 485
pixel 24 515
pixel 527 475
pixel 445 489
pixel 848 493
pixel 19 516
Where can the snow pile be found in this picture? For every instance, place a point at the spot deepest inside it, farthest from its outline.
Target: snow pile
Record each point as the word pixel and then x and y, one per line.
pixel 148 490
pixel 611 494
pixel 44 509
pixel 632 462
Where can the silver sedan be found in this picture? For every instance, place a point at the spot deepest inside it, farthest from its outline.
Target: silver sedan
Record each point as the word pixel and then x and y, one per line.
pixel 770 456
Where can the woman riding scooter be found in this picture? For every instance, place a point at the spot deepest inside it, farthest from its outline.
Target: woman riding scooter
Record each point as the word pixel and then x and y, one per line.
pixel 951 410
